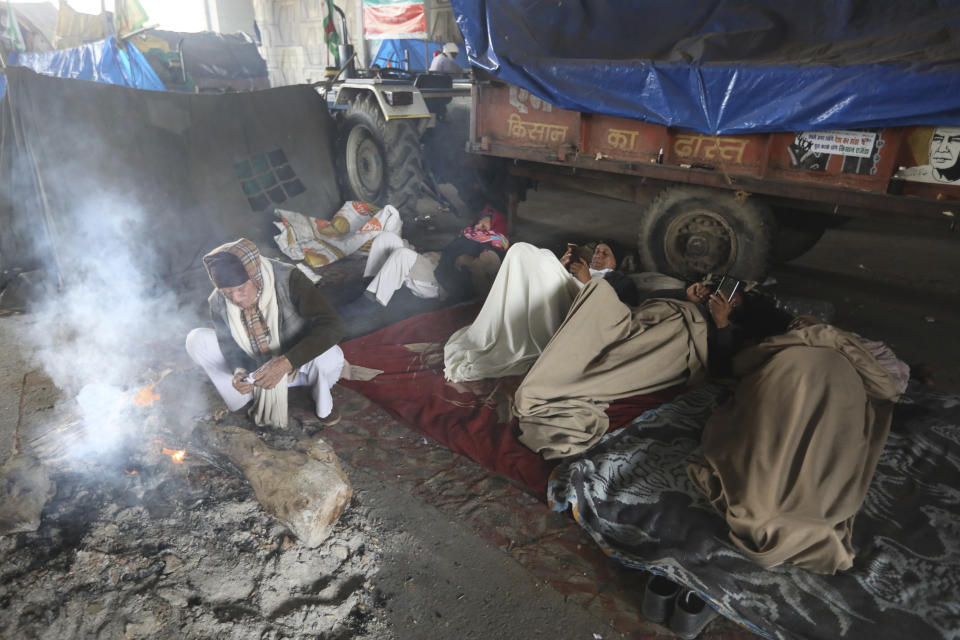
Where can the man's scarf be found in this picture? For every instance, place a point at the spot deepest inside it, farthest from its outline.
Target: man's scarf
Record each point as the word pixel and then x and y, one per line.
pixel 253 321
pixel 496 235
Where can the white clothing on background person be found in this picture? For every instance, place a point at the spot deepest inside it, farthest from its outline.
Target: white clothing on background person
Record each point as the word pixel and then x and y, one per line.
pixel 444 64
pixel 320 374
pixel 394 264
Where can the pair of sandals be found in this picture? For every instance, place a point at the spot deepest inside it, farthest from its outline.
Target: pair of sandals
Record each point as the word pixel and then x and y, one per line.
pixel 676 607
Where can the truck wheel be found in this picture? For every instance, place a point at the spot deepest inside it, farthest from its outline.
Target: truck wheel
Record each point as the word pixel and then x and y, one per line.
pixel 691 231
pixel 382 162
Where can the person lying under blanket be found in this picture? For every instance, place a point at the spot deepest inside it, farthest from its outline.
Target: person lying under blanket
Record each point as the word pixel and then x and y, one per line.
pixel 605 351
pixel 526 304
pixel 790 456
pixel 463 270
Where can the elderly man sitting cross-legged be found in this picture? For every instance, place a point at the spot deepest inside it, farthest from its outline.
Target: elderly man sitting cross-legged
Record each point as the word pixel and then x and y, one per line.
pixel 269 319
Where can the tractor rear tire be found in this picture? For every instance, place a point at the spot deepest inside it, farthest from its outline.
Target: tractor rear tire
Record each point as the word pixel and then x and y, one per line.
pixel 691 231
pixel 382 161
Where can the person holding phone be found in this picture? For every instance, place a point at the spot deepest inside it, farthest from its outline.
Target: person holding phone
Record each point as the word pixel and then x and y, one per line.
pixel 527 303
pixel 606 351
pixel 603 262
pixel 733 315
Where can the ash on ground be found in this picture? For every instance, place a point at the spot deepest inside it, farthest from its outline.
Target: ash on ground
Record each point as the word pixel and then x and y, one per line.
pixel 183 551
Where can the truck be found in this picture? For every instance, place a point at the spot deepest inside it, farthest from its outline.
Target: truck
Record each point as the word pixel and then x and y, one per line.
pixel 727 203
pixel 757 127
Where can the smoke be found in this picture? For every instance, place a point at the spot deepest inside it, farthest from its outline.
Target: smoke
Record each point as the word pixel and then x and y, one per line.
pixel 96 337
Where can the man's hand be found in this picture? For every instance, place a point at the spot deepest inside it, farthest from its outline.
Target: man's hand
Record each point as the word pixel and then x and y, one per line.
pixel 567 257
pixel 720 309
pixel 580 271
pixel 270 373
pixel 240 384
pixel 698 292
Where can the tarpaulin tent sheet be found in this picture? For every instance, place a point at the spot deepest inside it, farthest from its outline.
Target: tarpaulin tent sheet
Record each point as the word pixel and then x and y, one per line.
pixel 728 66
pixel 186 171
pixel 101 61
pixel 392 53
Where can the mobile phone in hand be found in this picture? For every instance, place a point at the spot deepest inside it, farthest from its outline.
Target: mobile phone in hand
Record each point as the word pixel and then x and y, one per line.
pixel 728 287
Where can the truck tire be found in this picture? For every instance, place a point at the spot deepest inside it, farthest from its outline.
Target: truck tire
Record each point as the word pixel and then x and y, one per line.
pixel 691 231
pixel 382 161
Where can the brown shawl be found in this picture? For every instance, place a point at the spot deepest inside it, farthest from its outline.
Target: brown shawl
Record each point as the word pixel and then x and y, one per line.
pixel 790 457
pixel 604 351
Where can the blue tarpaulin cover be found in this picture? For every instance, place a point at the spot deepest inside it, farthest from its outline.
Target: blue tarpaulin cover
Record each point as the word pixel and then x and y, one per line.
pixel 391 53
pixel 728 66
pixel 101 61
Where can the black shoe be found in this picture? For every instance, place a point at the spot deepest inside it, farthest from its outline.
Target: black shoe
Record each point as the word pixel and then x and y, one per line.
pixel 658 598
pixel 691 613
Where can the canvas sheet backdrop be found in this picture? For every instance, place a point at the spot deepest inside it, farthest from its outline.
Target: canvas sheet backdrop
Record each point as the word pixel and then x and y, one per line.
pixel 632 494
pixel 181 173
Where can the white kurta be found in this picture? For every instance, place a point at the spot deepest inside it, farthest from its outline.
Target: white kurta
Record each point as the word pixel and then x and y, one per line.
pixel 527 303
pixel 320 374
pixel 392 262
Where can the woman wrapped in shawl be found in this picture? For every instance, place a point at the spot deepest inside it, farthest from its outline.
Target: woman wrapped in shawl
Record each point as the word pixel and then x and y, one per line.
pixel 464 269
pixel 526 304
pixel 606 351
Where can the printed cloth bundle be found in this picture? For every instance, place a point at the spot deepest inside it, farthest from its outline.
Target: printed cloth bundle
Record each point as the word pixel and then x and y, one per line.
pixel 319 242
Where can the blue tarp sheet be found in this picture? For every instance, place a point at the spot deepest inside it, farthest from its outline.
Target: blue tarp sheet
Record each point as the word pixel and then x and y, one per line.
pixel 391 54
pixel 102 61
pixel 728 66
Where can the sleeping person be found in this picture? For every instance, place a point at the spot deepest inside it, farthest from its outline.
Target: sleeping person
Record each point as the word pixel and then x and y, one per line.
pixel 463 270
pixel 606 351
pixel 526 304
pixel 789 458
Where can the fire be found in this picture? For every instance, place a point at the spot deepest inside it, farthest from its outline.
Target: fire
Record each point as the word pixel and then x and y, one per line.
pixel 175 454
pixel 145 397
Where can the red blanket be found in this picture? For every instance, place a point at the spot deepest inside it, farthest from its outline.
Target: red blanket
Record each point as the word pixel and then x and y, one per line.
pixel 475 418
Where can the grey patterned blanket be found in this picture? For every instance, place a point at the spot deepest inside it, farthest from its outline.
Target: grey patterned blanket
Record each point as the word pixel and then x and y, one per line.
pixel 632 494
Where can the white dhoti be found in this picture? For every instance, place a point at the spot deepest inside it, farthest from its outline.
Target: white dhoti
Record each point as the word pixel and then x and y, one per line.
pixel 320 374
pixel 394 264
pixel 527 303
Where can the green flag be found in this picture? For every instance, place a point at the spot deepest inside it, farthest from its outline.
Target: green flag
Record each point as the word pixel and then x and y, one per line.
pixel 128 16
pixel 13 30
pixel 330 35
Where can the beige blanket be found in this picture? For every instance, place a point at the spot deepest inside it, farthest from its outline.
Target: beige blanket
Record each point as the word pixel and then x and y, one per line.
pixel 604 351
pixel 790 457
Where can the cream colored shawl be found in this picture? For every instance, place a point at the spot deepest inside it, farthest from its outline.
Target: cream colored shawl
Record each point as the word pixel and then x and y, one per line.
pixel 269 405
